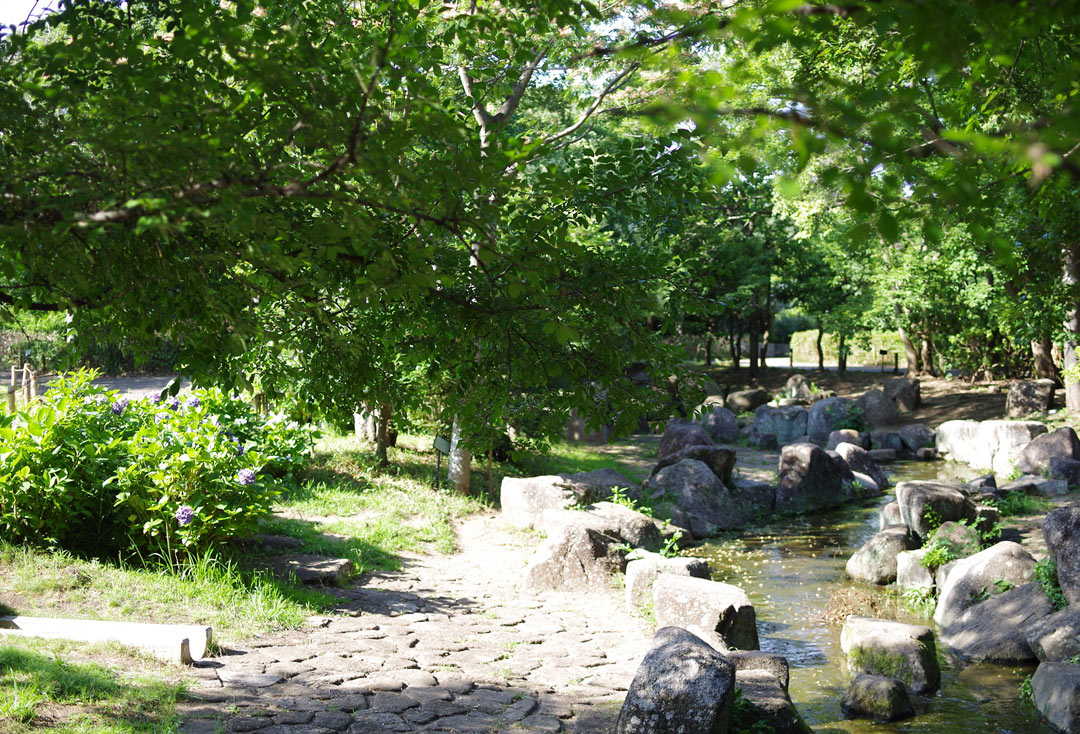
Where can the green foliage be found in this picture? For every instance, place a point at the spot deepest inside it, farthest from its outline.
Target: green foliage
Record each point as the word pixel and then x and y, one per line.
pixel 620 497
pixel 31 678
pixel 933 520
pixel 745 718
pixel 90 470
pixel 938 554
pixel 1027 696
pixel 920 599
pixel 1046 575
pixel 1012 504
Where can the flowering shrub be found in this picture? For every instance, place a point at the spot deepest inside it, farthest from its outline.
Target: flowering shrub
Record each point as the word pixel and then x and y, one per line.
pixel 93 471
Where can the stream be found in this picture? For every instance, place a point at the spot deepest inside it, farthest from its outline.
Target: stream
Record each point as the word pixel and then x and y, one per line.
pixel 793 572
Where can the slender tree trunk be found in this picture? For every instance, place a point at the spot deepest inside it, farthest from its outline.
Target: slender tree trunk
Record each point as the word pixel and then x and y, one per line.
pixel 460 460
pixel 738 343
pixel 708 349
pixel 912 355
pixel 841 354
pixel 927 356
pixel 1043 361
pixel 820 351
pixel 382 435
pixel 1072 326
pixel 754 337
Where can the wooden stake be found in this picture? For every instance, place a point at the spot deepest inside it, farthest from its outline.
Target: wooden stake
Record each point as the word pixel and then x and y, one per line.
pixel 33 386
pixel 11 399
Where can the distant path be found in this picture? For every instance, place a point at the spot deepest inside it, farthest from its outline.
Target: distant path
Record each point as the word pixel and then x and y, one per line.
pixel 137 386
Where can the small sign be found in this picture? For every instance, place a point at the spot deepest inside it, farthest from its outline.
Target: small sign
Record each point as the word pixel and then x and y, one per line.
pixel 883 352
pixel 442 445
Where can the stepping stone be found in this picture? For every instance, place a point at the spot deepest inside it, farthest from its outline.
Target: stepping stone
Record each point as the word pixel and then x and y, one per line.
pixel 312 569
pixel 249 680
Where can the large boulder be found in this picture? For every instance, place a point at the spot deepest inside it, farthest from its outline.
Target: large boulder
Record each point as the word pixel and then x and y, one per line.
pixel 832 414
pixel 1035 484
pixel 747 401
pixel 904 652
pixel 859 460
pixel 886 441
pixel 848 435
pixel 1066 470
pixel 994 631
pixel 682 685
pixel 633 528
pixel 696 490
pixel 1055 690
pixel 921 502
pixel 992 445
pixel 770 662
pixel 524 499
pixel 644 567
pixel 875 561
pixel 1030 396
pixel 720 614
pixel 809 479
pixel 679 435
pixel 798 387
pixel 878 698
pixel 916 436
pixel 1056 637
pixel 788 424
pixel 720 423
pixel 877 409
pixel 889 514
pixel 720 460
pixel 962 540
pixel 975 578
pixel 769 706
pixel 904 392
pixel 577 558
pixel 1061 531
pixel 911 573
pixel 1036 456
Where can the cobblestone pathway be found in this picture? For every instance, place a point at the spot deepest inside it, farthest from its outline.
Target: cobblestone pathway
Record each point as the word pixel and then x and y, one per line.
pixel 448 644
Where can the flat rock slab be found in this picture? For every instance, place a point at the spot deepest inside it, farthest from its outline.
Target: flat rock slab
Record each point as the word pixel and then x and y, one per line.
pixel 312 569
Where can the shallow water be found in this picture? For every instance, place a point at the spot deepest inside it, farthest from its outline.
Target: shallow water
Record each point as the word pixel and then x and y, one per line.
pixel 794 574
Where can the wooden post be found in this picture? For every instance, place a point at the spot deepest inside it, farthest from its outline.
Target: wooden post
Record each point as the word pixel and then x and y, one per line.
pixel 33 386
pixel 13 368
pixel 11 399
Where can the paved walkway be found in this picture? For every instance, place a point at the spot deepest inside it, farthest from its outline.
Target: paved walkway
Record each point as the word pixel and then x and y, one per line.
pixel 448 644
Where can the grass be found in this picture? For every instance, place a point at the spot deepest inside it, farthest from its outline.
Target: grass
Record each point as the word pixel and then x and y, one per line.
pixel 1012 504
pixel 40 690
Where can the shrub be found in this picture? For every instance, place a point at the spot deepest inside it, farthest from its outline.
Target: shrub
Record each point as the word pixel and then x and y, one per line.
pixel 92 471
pixel 1046 575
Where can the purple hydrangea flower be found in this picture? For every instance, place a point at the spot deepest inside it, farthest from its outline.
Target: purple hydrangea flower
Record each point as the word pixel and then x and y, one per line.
pixel 184 515
pixel 120 405
pixel 155 398
pixel 192 401
pixel 161 417
pixel 173 402
pixel 245 476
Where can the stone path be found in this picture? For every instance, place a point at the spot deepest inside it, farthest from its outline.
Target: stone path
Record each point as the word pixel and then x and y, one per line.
pixel 448 644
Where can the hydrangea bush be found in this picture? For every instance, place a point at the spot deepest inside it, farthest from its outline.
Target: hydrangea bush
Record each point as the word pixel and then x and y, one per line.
pixel 94 471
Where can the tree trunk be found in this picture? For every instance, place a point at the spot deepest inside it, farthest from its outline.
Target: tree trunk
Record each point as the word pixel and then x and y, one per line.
pixel 708 349
pixel 820 351
pixel 927 356
pixel 754 337
pixel 909 347
pixel 738 344
pixel 1072 326
pixel 460 461
pixel 1043 361
pixel 841 354
pixel 382 436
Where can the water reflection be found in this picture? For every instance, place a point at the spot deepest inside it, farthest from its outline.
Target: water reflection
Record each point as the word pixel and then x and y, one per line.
pixel 794 573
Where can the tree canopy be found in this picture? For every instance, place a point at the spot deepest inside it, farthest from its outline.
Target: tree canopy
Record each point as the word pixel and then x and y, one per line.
pixel 475 202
